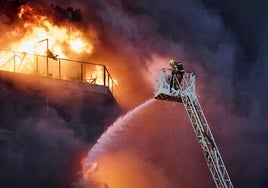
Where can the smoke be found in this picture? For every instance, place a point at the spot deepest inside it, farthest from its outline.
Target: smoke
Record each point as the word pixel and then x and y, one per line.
pixel 40 154
pixel 42 149
pixel 50 130
pixel 138 151
pixel 224 43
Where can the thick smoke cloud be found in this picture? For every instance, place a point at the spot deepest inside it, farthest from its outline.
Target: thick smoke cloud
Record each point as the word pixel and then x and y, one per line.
pixel 40 154
pixel 41 149
pixel 139 151
pixel 223 42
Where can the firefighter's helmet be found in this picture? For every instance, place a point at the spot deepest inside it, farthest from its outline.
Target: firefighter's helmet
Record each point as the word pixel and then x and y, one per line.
pixel 171 62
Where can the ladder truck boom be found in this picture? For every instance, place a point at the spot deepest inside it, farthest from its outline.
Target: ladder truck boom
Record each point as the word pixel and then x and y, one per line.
pixel 169 88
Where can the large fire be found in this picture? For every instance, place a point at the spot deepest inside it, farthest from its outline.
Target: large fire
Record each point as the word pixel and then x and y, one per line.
pixel 40 33
pixel 36 36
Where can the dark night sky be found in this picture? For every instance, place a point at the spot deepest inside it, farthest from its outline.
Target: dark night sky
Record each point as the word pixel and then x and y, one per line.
pixel 223 42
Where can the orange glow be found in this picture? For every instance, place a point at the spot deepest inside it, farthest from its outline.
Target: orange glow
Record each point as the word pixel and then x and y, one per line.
pixel 130 172
pixel 37 36
pixel 38 33
pixel 78 45
pixel 95 74
pixel 115 81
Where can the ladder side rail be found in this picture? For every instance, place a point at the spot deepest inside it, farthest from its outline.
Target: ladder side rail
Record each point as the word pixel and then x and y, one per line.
pixel 223 170
pixel 218 158
pixel 204 120
pixel 196 124
pixel 193 120
pixel 214 154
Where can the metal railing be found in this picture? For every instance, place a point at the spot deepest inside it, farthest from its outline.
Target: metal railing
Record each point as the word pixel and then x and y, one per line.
pixel 58 68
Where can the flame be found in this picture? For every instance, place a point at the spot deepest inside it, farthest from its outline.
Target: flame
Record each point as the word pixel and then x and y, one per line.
pixel 95 74
pixel 40 33
pixel 79 45
pixel 39 37
pixel 37 34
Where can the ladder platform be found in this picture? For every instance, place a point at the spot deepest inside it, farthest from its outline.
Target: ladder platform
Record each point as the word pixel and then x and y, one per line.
pixel 166 95
pixel 162 89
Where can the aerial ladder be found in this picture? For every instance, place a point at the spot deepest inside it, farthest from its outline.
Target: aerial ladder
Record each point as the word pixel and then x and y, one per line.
pixel 169 88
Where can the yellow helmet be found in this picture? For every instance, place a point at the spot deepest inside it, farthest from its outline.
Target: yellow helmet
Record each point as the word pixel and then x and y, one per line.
pixel 171 62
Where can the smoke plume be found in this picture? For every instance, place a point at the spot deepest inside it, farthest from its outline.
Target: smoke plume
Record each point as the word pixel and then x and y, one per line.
pixel 223 42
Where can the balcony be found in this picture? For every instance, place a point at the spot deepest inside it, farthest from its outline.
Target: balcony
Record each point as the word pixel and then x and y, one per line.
pixel 57 68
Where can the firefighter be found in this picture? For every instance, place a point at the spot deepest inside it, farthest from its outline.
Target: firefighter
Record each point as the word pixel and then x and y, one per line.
pixel 176 70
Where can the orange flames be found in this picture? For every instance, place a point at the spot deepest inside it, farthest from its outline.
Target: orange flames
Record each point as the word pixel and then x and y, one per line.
pixel 39 34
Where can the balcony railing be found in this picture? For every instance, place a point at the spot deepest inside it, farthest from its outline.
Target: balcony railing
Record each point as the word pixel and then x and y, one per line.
pixel 58 68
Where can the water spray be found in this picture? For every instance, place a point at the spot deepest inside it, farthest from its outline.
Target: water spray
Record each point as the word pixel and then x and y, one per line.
pixel 118 127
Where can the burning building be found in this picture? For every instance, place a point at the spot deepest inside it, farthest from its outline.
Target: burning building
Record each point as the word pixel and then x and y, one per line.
pixel 39 47
pixel 52 107
pixel 60 62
